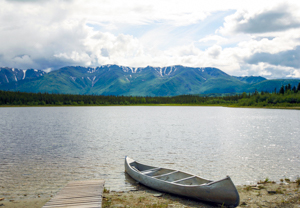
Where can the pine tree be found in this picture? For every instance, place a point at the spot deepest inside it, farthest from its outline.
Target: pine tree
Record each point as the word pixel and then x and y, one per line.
pixel 281 91
pixel 298 88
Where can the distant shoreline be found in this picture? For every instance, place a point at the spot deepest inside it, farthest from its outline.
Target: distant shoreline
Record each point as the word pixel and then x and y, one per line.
pixel 195 105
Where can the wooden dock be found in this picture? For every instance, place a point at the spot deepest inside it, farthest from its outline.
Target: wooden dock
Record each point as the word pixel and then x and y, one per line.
pixel 81 194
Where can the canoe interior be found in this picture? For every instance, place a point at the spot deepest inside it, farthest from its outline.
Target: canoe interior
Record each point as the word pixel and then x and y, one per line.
pixel 168 175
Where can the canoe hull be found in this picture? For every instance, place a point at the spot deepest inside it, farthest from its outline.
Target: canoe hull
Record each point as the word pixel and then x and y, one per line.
pixel 222 191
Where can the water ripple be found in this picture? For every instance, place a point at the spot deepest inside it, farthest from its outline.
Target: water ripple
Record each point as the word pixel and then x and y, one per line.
pixel 44 148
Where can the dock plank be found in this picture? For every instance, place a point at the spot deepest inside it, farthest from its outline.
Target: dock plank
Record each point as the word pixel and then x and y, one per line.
pixel 81 194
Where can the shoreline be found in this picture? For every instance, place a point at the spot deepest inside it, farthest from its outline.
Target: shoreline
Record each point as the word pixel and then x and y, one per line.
pixel 261 195
pixel 167 105
pixel 264 194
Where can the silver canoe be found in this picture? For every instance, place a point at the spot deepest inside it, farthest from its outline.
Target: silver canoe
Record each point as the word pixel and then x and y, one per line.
pixel 176 182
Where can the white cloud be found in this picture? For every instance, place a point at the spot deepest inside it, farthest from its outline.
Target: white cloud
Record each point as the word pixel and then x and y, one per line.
pixel 52 34
pixel 76 57
pixel 137 12
pixel 279 18
pixel 272 71
pixel 214 38
pixel 294 73
pixel 214 51
pixel 275 45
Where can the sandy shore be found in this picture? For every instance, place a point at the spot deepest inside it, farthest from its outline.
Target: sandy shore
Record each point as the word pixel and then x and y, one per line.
pixel 261 195
pixel 286 194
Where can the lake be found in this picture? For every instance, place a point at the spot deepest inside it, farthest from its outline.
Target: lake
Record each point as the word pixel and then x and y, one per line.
pixel 42 148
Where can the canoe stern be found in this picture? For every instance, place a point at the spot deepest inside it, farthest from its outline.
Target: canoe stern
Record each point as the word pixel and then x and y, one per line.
pixel 222 192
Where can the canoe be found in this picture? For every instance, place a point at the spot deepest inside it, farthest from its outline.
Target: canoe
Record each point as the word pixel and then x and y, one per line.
pixel 183 184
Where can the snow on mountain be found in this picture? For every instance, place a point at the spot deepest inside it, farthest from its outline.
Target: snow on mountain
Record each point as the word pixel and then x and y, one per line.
pixel 8 75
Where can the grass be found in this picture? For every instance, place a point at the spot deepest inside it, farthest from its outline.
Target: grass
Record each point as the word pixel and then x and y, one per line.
pixel 105 190
pixel 279 191
pixel 297 181
pixel 265 181
pixel 106 202
pixel 141 198
pixel 160 205
pixel 248 188
pixel 134 202
pixel 292 200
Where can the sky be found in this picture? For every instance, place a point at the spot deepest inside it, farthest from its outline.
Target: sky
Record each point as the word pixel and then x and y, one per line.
pixel 241 38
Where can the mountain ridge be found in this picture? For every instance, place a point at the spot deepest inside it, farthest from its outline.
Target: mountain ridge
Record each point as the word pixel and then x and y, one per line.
pixel 136 81
pixel 8 75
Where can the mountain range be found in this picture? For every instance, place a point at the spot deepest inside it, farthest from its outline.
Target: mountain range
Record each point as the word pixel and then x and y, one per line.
pixel 140 81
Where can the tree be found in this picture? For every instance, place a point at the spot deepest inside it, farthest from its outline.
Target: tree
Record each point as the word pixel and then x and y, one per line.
pixel 244 95
pixel 143 100
pixel 281 91
pixel 298 88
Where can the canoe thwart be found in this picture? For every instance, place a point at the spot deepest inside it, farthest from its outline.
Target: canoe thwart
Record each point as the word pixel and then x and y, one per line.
pixel 183 179
pixel 166 174
pixel 145 172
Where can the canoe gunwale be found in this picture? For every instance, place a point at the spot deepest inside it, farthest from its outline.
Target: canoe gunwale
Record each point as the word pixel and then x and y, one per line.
pixel 174 182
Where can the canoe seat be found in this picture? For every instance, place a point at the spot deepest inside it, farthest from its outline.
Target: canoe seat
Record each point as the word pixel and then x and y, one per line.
pixel 165 174
pixel 145 172
pixel 184 179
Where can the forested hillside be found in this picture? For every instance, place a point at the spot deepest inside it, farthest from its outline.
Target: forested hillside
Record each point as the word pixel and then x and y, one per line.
pixel 286 96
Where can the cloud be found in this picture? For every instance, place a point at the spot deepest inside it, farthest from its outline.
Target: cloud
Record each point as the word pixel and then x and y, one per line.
pixel 279 18
pixel 214 51
pixel 290 58
pixel 214 38
pixel 33 42
pixel 32 1
pixel 25 1
pixel 271 71
pixel 51 34
pixel 116 13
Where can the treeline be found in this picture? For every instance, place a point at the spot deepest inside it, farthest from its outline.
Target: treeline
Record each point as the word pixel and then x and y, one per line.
pixel 286 96
pixel 24 98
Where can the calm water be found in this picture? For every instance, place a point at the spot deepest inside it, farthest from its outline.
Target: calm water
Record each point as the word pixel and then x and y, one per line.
pixel 41 149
